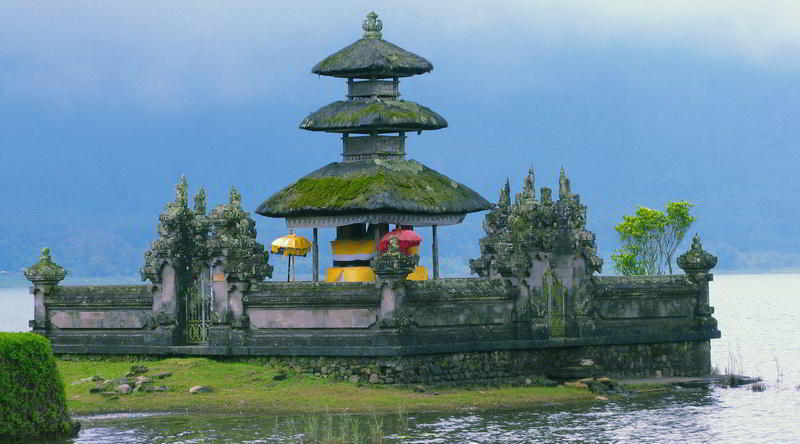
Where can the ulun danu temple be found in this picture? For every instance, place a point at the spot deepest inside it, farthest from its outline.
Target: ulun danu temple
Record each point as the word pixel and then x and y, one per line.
pixel 537 305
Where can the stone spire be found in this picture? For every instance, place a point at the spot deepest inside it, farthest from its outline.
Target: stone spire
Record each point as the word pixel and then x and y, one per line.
pixel 373 121
pixel 563 185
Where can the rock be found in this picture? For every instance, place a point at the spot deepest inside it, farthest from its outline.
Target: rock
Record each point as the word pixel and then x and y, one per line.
pixel 160 388
pixel 120 381
pixel 601 398
pixel 586 362
pixel 163 375
pixel 658 373
pixel 576 384
pixel 144 388
pixel 527 381
pixel 139 369
pixel 124 389
pixel 110 395
pixel 279 377
pixel 142 380
pixel 354 379
pixel 419 388
pixel 374 378
pixel 200 389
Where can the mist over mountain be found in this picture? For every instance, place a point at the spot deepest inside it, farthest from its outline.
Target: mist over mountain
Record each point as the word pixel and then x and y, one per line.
pixel 95 132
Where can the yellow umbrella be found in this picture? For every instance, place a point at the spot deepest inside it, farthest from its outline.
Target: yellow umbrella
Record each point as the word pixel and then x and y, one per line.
pixel 291 245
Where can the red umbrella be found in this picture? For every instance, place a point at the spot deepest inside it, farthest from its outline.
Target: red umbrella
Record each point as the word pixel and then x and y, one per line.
pixel 405 240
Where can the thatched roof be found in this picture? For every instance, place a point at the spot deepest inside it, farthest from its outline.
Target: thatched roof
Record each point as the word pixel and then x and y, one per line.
pixel 372 57
pixel 365 115
pixel 373 186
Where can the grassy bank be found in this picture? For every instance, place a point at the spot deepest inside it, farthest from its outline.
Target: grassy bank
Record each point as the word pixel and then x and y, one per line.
pixel 249 387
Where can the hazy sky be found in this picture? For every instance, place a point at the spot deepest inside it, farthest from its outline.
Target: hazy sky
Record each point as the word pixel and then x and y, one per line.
pixel 104 104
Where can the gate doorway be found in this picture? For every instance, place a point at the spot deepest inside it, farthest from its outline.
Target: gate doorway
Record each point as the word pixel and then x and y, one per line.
pixel 199 297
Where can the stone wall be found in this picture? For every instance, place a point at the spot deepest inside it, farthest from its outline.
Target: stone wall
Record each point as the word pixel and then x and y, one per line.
pixel 636 360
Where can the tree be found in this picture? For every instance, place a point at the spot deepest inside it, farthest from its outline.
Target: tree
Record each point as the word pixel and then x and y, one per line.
pixel 650 238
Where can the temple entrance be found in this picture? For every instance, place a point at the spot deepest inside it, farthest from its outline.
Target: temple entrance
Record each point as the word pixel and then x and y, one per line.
pixel 198 297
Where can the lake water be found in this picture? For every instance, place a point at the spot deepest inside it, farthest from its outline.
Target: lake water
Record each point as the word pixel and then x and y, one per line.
pixel 758 315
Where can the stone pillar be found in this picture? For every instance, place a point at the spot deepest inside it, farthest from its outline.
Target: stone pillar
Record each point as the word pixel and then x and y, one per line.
pixel 435 251
pixel 219 289
pixel 315 255
pixel 164 291
pixel 391 269
pixel 45 276
pixel 165 297
pixel 697 263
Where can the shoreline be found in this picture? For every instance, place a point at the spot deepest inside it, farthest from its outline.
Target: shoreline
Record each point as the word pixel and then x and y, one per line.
pixel 252 388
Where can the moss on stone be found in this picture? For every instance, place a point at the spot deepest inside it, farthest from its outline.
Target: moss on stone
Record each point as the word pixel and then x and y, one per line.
pixel 373 115
pixel 371 186
pixel 369 57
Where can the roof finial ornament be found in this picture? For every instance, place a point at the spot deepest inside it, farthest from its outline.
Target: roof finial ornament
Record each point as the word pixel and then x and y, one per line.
pixel 372 26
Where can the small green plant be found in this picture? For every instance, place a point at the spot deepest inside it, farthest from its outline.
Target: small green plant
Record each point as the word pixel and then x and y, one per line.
pixel 375 428
pixel 402 420
pixel 650 238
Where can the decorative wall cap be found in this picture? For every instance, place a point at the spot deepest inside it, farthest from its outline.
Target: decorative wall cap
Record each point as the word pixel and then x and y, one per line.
pixel 45 271
pixel 697 260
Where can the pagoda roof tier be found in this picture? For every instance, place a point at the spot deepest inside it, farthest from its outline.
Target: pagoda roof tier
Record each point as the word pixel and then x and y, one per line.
pixel 372 57
pixel 373 115
pixel 373 188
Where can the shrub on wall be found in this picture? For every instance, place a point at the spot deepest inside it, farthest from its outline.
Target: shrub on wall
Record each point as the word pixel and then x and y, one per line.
pixel 32 401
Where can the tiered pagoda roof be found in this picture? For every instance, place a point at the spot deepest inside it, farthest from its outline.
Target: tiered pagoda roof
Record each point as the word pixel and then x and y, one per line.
pixel 374 182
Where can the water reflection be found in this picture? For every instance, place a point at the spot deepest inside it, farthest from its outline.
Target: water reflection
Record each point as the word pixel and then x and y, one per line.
pixel 680 416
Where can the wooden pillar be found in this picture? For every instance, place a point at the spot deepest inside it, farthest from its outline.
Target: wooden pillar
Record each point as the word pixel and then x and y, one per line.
pixel 315 255
pixel 435 248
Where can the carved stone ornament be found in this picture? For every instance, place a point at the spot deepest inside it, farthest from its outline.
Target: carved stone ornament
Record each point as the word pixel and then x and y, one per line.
pixel 697 260
pixel 188 237
pixel 233 237
pixel 45 272
pixel 372 26
pixel 530 225
pixel 393 263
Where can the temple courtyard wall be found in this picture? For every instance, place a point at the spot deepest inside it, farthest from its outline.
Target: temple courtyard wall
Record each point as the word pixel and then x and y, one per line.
pixel 446 331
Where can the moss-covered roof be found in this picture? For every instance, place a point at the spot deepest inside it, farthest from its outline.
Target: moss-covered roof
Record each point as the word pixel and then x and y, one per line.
pixel 365 115
pixel 373 186
pixel 372 57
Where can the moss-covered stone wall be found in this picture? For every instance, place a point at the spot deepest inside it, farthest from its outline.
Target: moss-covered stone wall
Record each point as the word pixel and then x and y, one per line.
pixel 687 358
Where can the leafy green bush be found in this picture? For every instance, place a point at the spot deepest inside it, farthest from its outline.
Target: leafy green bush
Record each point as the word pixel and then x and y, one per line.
pixel 32 401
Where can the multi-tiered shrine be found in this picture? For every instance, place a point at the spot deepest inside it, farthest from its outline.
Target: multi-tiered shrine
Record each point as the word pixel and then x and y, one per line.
pixel 373 185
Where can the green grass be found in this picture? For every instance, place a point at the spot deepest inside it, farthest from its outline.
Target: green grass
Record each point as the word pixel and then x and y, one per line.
pixel 247 387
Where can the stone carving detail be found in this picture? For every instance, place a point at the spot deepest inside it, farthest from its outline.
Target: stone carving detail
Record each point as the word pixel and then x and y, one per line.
pixel 181 235
pixel 372 26
pixel 188 238
pixel 696 261
pixel 233 237
pixel 393 263
pixel 544 245
pixel 514 232
pixel 45 272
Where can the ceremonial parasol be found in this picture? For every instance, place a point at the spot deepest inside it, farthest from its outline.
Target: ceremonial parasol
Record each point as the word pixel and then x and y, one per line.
pixel 291 245
pixel 405 240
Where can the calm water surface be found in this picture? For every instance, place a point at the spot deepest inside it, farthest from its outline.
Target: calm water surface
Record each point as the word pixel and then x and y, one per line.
pixel 759 317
